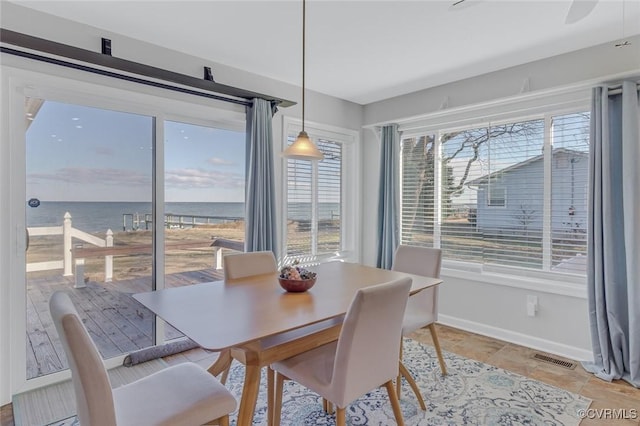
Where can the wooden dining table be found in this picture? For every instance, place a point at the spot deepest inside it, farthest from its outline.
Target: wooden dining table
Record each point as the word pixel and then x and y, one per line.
pixel 255 320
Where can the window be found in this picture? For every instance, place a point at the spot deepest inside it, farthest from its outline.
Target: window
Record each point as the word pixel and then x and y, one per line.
pixel 418 185
pixel 496 195
pixel 317 205
pixel 569 176
pixel 313 202
pixel 507 194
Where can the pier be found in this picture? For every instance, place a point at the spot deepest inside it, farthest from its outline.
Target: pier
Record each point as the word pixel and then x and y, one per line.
pixel 136 221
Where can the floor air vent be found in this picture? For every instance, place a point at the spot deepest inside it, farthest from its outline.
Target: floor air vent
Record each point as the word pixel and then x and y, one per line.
pixel 551 360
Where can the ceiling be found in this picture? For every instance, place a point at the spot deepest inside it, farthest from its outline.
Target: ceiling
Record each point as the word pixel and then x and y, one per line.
pixel 360 50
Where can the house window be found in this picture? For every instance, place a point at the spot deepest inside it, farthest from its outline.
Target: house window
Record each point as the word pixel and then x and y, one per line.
pixel 496 195
pixel 318 202
pixel 505 195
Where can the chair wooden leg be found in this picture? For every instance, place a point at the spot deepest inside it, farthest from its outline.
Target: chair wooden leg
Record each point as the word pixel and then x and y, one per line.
pixel 341 416
pixel 404 372
pixel 327 406
pixel 221 364
pixel 436 344
pixel 221 421
pixel 225 375
pixel 399 378
pixel 395 404
pixel 277 399
pixel 270 395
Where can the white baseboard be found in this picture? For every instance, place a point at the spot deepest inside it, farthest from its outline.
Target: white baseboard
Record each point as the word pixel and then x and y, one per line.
pixel 571 352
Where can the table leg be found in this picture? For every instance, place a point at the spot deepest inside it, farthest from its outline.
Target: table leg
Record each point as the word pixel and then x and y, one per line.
pixel 270 395
pixel 249 391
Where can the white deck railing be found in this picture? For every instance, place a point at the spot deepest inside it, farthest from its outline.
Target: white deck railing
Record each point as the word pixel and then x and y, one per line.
pixel 70 250
pixel 68 233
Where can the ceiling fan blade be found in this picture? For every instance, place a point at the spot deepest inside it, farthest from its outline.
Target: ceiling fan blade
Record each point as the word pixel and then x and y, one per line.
pixel 463 4
pixel 579 9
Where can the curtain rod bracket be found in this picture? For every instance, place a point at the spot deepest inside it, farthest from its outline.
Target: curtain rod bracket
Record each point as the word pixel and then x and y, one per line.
pixel 106 46
pixel 208 75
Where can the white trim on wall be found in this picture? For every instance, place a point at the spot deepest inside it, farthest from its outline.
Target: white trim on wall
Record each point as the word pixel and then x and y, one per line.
pixel 504 334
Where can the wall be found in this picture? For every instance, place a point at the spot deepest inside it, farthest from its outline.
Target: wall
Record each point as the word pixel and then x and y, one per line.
pixel 491 303
pixel 320 109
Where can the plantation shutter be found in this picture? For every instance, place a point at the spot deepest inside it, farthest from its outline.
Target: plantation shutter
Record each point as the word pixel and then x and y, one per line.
pixel 299 206
pixel 314 193
pixel 329 196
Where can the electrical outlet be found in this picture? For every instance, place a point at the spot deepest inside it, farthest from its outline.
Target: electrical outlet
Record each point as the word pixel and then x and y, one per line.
pixel 532 305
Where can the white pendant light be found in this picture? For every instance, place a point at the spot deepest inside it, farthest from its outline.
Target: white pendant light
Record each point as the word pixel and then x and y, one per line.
pixel 302 148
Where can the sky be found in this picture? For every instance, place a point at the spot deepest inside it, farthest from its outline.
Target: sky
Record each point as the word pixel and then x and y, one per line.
pixel 79 153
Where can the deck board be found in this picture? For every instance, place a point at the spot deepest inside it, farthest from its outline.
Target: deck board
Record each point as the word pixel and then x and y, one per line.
pixel 40 342
pixel 117 323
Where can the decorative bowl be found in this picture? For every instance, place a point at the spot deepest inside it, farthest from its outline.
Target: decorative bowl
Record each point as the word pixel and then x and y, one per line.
pixel 296 286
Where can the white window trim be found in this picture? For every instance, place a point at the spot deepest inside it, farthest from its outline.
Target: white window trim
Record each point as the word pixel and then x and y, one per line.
pixel 350 202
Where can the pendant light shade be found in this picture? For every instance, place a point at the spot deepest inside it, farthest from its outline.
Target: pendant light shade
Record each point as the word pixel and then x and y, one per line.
pixel 302 148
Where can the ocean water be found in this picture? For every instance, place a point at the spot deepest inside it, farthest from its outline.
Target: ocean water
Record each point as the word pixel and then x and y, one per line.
pixel 100 216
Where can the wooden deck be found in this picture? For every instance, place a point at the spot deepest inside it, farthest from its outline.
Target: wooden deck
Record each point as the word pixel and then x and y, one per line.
pixel 117 323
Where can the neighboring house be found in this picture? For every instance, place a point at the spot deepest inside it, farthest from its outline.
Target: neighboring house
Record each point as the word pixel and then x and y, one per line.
pixel 512 198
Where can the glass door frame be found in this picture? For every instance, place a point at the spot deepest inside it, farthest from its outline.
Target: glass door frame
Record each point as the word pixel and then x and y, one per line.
pixel 99 92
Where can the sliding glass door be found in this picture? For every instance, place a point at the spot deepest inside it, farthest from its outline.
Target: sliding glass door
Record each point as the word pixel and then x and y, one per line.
pixel 112 192
pixel 204 202
pixel 88 210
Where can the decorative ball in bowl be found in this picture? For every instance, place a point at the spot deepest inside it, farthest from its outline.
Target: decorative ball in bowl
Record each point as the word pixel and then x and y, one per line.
pixel 295 279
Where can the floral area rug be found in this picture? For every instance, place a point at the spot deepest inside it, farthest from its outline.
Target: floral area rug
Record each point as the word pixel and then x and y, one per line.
pixel 473 393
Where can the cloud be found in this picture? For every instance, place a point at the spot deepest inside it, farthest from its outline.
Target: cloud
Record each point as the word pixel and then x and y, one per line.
pixel 93 176
pixel 198 178
pixel 178 178
pixel 104 150
pixel 220 162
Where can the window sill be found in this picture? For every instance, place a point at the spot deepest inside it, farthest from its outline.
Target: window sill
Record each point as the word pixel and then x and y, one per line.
pixel 571 287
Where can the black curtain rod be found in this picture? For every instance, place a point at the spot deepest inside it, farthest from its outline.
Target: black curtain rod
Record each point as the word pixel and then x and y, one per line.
pixel 212 90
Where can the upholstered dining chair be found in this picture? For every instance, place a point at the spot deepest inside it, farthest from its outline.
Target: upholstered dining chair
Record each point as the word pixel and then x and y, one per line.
pixel 364 357
pixel 243 265
pixel 183 394
pixel 422 307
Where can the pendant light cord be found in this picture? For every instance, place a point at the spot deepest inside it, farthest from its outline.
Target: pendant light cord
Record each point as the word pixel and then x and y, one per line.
pixel 303 55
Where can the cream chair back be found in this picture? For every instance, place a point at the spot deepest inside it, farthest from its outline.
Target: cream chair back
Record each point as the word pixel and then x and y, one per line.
pixel 423 261
pixel 91 384
pixel 367 351
pixel 243 265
